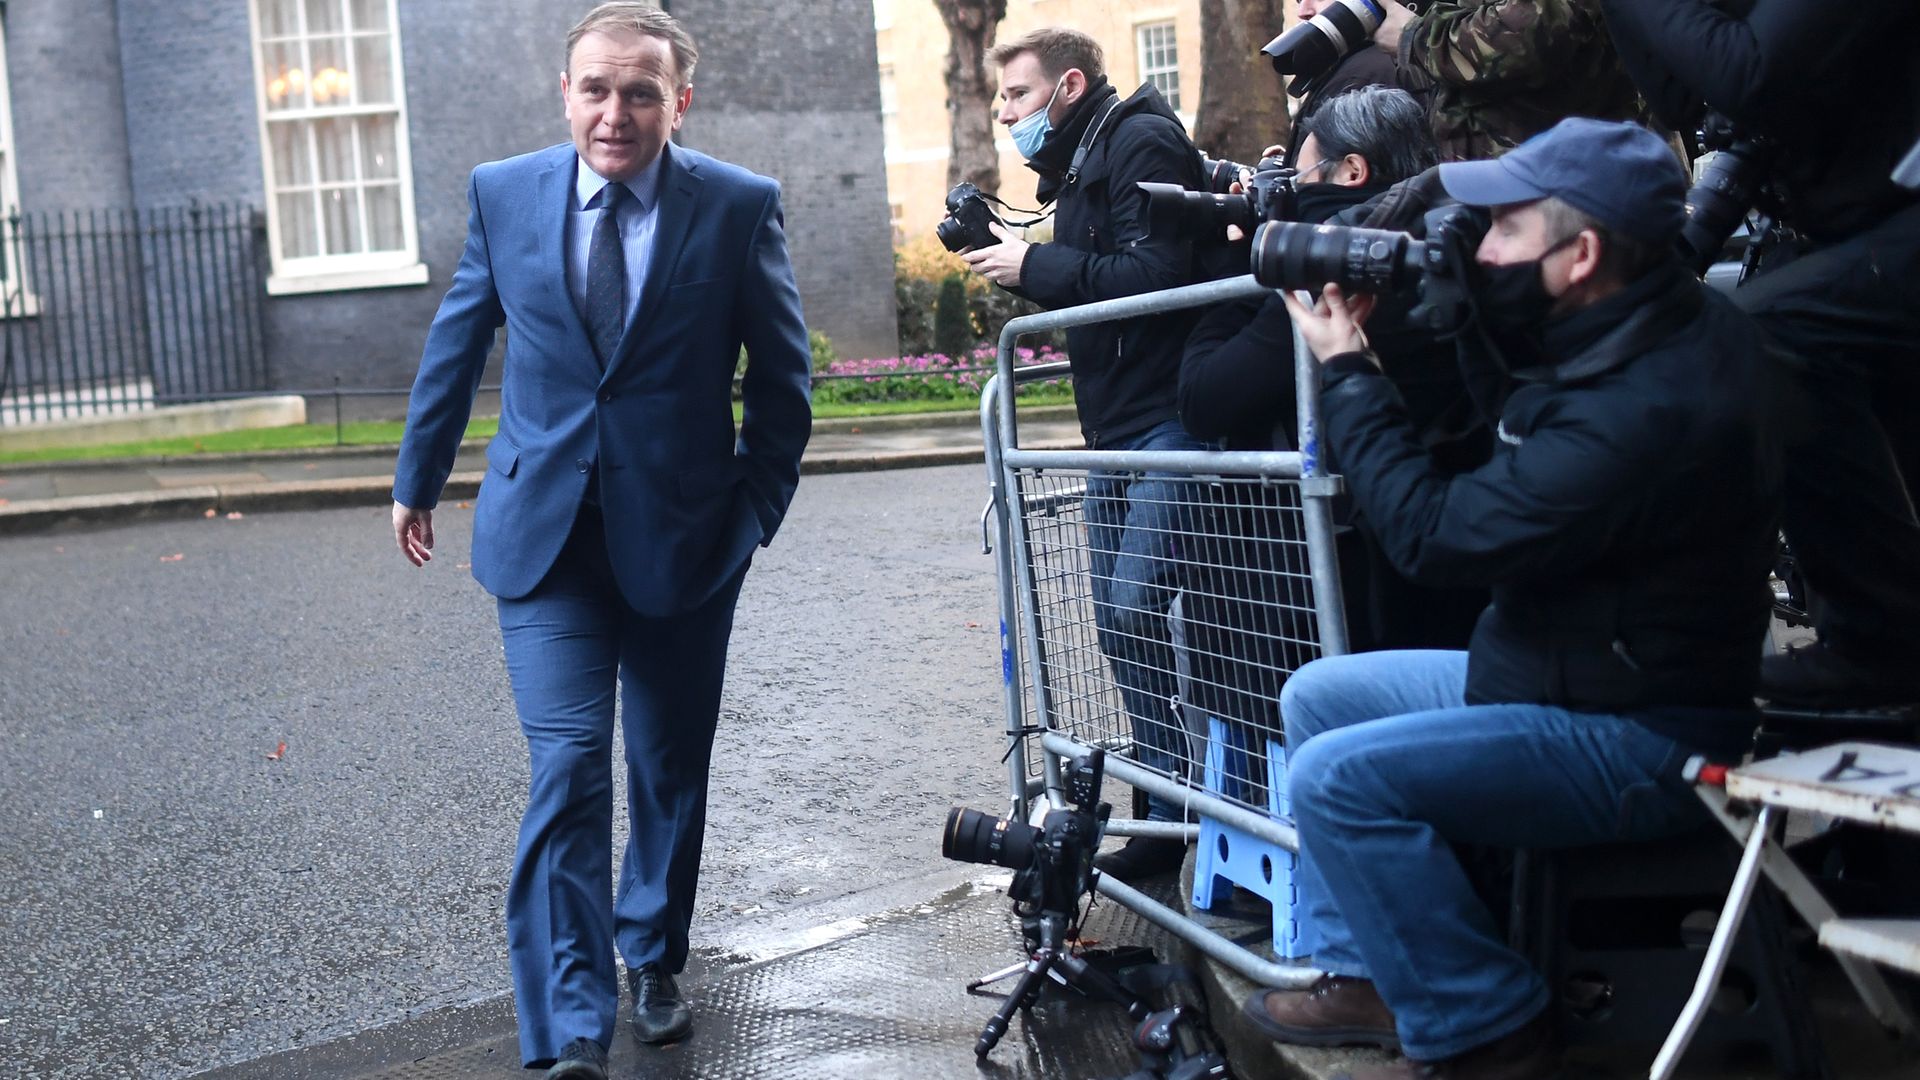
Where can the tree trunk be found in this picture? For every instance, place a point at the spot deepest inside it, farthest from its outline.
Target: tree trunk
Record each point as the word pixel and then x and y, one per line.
pixel 1242 102
pixel 971 25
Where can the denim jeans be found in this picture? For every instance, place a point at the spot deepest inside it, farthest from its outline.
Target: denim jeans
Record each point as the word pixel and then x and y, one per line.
pixel 1133 527
pixel 1389 768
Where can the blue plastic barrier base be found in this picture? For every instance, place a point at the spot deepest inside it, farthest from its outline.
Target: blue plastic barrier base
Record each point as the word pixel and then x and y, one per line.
pixel 1227 856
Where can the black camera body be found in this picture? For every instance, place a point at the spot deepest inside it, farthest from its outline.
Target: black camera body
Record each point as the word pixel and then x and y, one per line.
pixel 1440 267
pixel 1270 195
pixel 1728 188
pixel 968 216
pixel 1052 864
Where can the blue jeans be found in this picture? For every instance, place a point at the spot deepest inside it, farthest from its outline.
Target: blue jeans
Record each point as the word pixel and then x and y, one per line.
pixel 1389 768
pixel 1133 526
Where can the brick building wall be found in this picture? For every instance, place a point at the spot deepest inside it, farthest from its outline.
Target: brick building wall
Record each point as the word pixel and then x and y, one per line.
pixel 789 88
pixel 71 143
pixel 153 103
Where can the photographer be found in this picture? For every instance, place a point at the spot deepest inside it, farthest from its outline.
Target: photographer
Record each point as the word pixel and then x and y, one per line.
pixel 1624 524
pixel 1503 70
pixel 1092 149
pixel 1838 97
pixel 1236 386
pixel 1368 65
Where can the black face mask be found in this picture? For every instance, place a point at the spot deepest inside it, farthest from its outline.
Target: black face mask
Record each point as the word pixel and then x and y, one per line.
pixel 1513 298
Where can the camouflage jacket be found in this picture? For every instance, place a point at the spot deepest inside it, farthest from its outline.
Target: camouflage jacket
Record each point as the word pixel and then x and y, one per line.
pixel 1503 70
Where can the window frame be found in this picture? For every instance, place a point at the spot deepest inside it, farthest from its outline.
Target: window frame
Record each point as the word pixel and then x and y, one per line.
pixel 16 299
pixel 1141 51
pixel 360 270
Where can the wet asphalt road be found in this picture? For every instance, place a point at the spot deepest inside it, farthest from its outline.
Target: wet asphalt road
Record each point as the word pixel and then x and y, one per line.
pixel 173 899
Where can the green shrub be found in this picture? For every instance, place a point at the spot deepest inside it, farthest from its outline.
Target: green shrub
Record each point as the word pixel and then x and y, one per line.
pixel 921 272
pixel 913 302
pixel 823 351
pixel 952 322
pixel 993 307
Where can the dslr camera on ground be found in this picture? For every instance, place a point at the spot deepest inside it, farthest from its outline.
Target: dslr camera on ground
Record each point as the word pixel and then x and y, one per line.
pixel 1052 864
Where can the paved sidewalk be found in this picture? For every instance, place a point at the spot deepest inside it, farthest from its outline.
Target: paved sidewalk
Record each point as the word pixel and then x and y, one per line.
pixel 35 497
pixel 876 998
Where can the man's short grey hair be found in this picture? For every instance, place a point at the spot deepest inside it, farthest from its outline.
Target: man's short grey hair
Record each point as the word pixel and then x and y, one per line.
pixel 645 20
pixel 1622 258
pixel 1383 124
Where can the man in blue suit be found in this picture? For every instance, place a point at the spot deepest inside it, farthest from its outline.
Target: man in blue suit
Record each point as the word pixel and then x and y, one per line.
pixel 620 510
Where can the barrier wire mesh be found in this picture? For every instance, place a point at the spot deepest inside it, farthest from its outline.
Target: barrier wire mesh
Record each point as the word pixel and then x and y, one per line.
pixel 1167 612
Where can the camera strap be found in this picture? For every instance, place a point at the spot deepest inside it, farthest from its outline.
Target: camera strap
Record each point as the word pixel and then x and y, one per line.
pixel 1086 141
pixel 1039 216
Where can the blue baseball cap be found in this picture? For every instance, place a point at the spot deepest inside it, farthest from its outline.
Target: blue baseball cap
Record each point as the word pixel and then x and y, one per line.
pixel 1622 175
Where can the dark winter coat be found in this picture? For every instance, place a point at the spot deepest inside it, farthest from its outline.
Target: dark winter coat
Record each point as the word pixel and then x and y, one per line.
pixel 1838 89
pixel 1125 373
pixel 1246 600
pixel 1625 523
pixel 1369 65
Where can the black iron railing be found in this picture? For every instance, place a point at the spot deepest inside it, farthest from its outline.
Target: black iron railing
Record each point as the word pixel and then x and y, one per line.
pixel 109 310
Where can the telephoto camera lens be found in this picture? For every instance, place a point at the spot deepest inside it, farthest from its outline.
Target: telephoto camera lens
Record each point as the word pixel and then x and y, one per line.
pixel 1293 255
pixel 1312 46
pixel 1719 201
pixel 974 837
pixel 1196 213
pixel 1220 174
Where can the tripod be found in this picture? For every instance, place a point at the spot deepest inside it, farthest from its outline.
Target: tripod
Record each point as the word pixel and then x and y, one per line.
pixel 1051 959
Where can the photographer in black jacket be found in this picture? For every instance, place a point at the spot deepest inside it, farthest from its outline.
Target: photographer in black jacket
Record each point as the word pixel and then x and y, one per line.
pixel 1243 631
pixel 1368 65
pixel 1837 92
pixel 1092 149
pixel 1625 524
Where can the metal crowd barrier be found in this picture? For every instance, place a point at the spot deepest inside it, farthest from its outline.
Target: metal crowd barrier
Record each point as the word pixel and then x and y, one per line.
pixel 1230 584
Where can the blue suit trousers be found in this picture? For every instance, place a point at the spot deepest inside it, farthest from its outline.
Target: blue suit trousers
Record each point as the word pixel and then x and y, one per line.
pixel 566 642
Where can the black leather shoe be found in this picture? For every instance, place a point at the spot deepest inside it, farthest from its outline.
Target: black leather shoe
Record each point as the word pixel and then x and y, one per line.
pixel 1143 857
pixel 581 1059
pixel 660 1014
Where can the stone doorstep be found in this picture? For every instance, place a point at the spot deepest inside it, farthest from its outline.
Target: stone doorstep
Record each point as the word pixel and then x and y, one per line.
pixel 198 418
pixel 1253 1055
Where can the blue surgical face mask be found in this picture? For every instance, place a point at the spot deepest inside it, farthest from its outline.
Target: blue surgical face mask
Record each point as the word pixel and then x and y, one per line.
pixel 1032 129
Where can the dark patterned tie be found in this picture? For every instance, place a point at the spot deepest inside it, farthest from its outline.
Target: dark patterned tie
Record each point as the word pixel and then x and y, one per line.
pixel 607 275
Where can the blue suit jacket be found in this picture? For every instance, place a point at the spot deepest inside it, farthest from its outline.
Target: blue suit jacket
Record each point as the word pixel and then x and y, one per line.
pixel 684 499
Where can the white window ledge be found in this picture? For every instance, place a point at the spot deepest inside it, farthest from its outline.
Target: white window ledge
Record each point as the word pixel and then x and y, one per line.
pixel 342 280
